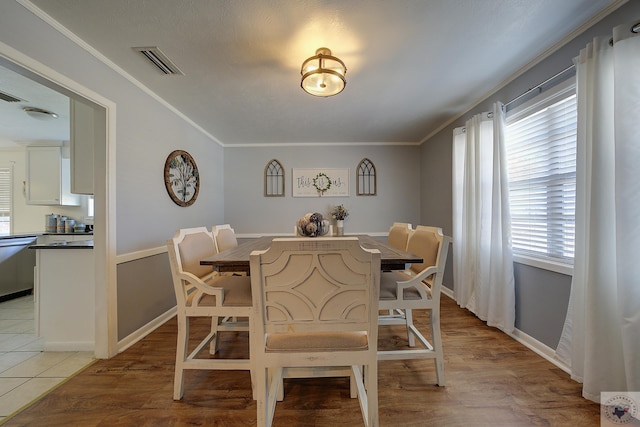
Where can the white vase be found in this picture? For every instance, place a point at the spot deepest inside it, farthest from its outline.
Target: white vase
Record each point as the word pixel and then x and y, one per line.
pixel 339 227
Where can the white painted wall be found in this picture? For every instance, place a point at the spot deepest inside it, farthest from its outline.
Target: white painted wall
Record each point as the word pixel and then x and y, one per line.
pixel 31 218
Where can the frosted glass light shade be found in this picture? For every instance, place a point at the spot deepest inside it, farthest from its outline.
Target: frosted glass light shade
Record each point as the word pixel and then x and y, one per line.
pixel 323 74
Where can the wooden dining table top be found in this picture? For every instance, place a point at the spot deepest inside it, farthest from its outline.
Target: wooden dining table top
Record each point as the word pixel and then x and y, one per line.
pixel 237 259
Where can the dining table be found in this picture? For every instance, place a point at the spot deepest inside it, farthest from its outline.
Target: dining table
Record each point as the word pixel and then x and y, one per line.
pixel 237 259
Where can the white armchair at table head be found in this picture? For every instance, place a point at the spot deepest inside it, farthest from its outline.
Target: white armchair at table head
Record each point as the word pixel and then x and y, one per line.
pixel 315 306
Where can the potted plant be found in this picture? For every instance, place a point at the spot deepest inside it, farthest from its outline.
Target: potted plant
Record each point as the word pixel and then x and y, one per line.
pixel 339 213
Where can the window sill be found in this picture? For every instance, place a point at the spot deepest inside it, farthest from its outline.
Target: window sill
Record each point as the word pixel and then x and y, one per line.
pixel 545 264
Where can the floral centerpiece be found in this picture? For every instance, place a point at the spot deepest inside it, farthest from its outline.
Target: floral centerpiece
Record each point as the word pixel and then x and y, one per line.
pixel 312 225
pixel 339 213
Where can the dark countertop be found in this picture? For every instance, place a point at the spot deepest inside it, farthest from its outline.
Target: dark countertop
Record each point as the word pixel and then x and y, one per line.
pixel 79 244
pixel 18 236
pixel 68 234
pixel 23 235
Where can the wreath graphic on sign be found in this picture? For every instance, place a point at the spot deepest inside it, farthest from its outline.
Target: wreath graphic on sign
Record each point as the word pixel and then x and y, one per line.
pixel 317 182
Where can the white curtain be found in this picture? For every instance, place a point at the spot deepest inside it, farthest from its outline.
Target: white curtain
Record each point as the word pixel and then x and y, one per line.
pixel 482 257
pixel 601 336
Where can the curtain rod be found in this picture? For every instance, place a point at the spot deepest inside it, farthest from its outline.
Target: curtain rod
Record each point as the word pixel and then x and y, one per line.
pixel 538 86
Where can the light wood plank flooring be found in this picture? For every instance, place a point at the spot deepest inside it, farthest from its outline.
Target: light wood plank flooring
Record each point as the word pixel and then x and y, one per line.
pixel 492 380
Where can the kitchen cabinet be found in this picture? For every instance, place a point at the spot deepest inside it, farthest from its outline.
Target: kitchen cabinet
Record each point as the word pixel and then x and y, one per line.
pixel 16 264
pixel 65 297
pixel 49 178
pixel 83 128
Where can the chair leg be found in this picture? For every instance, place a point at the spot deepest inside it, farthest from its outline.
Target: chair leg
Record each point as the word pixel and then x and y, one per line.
pixel 213 346
pixel 368 395
pixel 353 386
pixel 408 315
pixel 372 395
pixel 272 393
pixel 261 387
pixel 437 346
pixel 280 396
pixel 181 352
pixel 252 372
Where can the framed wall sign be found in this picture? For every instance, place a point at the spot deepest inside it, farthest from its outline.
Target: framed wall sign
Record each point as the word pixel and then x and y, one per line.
pixel 181 178
pixel 320 182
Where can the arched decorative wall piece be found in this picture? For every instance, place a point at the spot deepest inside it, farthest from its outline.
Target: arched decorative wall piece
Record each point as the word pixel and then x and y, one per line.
pixel 274 179
pixel 366 178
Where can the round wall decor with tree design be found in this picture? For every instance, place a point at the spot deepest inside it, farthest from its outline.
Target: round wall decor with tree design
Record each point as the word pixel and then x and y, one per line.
pixel 181 178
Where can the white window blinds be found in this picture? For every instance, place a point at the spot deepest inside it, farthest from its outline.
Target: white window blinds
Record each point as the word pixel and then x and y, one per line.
pixel 541 159
pixel 5 200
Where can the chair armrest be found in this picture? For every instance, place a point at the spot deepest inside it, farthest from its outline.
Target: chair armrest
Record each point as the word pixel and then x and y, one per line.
pixel 423 274
pixel 207 278
pixel 202 288
pixel 417 281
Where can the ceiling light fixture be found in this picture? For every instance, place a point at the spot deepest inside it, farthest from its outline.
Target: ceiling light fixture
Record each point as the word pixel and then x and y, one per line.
pixel 323 74
pixel 39 113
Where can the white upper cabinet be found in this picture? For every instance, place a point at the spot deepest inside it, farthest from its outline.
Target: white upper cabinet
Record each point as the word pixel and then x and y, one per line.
pixel 49 178
pixel 83 133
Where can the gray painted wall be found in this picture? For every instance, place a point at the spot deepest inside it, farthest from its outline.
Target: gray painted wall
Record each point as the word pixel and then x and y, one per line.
pixel 397 199
pixel 145 291
pixel 541 296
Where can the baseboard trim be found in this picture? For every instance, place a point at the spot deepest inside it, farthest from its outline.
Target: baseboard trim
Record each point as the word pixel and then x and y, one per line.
pixel 537 347
pixel 136 336
pixel 70 346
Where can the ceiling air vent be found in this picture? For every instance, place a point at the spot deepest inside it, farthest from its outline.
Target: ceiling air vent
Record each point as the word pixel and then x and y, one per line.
pixel 9 98
pixel 160 60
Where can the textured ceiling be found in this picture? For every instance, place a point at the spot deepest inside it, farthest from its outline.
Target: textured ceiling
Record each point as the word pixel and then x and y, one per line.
pixel 412 64
pixel 16 128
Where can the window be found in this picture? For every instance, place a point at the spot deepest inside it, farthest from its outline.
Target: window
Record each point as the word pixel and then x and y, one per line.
pixel 541 160
pixel 90 208
pixel 5 200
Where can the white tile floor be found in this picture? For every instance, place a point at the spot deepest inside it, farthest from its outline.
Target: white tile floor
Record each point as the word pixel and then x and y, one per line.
pixel 26 371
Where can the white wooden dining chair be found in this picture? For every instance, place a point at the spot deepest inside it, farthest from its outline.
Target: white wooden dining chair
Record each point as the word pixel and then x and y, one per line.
pixel 316 312
pixel 224 236
pixel 417 288
pixel 399 234
pixel 201 292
